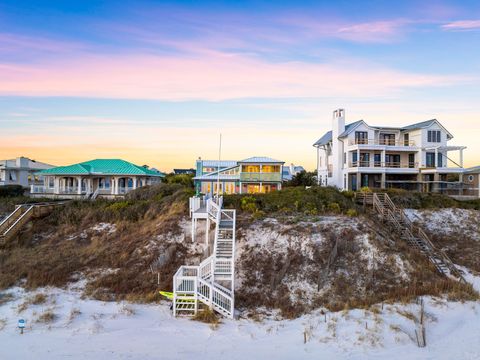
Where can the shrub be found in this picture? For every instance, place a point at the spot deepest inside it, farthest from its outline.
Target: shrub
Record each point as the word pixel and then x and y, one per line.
pixel 47 317
pixel 334 207
pixel 11 190
pixel 352 212
pixel 249 204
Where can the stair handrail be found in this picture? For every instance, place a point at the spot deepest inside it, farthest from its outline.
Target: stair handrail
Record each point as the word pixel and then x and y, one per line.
pixel 18 221
pixel 5 221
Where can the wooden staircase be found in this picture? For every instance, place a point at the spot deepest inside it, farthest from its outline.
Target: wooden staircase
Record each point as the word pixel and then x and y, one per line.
pixel 13 223
pixel 414 235
pixel 212 282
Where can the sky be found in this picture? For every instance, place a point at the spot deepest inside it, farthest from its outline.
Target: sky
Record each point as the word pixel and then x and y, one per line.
pixel 156 82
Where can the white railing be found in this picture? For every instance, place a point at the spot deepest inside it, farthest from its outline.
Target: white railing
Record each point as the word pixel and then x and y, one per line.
pixel 383 142
pixel 20 220
pixel 197 283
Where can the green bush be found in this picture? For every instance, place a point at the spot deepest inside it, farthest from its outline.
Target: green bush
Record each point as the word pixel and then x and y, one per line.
pixel 334 207
pixel 11 190
pixel 352 212
pixel 292 200
pixel 249 204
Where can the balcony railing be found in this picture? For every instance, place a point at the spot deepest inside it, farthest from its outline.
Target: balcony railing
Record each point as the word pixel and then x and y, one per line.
pixel 388 164
pixel 384 142
pixel 273 177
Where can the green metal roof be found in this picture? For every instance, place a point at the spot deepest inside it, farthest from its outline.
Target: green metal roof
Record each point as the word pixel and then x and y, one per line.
pixel 101 167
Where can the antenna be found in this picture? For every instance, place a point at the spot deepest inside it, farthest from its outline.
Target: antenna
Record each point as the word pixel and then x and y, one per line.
pixel 218 167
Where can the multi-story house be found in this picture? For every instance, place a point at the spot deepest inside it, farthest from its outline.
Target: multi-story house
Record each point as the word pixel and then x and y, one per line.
pixel 414 157
pixel 107 178
pixel 21 171
pixel 252 175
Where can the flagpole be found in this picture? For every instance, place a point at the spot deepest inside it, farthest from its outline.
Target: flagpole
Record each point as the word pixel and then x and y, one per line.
pixel 218 168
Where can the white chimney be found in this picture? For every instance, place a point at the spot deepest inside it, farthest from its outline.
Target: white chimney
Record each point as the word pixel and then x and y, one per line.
pixel 338 127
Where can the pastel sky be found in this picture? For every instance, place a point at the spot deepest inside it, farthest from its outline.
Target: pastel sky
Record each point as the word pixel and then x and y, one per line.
pixel 155 82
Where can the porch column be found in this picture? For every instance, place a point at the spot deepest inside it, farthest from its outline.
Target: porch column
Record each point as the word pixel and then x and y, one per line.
pixel 358 158
pixel 56 185
pixel 436 158
pixel 383 159
pixel 359 181
pixel 134 183
pixel 461 158
pixel 383 182
pixel 79 182
pixel 261 186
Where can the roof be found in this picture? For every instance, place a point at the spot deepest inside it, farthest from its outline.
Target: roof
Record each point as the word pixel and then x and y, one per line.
pixel 218 163
pixel 101 167
pixel 475 169
pixel 327 137
pixel 31 164
pixel 420 125
pixel 261 160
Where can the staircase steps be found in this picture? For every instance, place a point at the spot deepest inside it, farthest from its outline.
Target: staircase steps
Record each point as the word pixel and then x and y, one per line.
pixel 396 218
pixel 199 283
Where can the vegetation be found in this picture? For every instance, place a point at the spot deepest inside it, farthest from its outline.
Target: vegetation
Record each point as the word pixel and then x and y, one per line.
pixel 183 179
pixel 293 200
pixel 303 178
pixel 420 200
pixel 117 263
pixel 11 191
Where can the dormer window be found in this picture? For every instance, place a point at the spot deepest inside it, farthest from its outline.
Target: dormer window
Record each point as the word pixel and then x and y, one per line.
pixel 434 136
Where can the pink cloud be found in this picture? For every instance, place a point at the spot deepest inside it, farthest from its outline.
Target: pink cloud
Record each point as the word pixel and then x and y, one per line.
pixel 15 43
pixel 213 76
pixel 462 25
pixel 376 31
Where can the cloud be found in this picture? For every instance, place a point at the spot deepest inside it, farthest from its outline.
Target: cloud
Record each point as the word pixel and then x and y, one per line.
pixel 214 76
pixel 462 25
pixel 376 31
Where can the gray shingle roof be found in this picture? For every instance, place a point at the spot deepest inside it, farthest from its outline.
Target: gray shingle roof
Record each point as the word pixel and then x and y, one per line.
pixel 327 137
pixel 419 125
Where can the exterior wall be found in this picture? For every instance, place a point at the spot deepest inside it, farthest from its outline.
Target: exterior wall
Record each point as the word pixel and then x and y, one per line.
pixel 337 169
pixel 74 186
pixel 21 171
pixel 472 181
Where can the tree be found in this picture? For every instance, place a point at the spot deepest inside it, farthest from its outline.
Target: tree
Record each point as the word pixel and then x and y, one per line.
pixel 303 178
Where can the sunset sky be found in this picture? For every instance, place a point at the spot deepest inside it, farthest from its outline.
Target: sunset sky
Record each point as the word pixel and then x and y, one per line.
pixel 155 82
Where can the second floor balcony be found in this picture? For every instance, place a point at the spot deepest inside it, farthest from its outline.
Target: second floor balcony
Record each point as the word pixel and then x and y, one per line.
pixel 382 142
pixel 387 164
pixel 261 176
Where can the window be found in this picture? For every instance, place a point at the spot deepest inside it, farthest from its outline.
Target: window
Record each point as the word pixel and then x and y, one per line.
pixel 361 137
pixel 411 160
pixel 470 178
pixel 354 158
pixel 434 136
pixel 440 160
pixel 430 157
pixel 344 158
pixel 377 158
pixel 406 139
pixel 364 159
pixel 392 160
pixel 51 183
pixel 387 139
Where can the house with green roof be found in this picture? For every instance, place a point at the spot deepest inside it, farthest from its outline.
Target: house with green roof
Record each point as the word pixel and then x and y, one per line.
pixel 257 174
pixel 108 178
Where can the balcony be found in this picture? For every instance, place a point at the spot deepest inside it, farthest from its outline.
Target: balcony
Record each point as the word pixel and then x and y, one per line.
pixel 260 177
pixel 388 164
pixel 382 142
